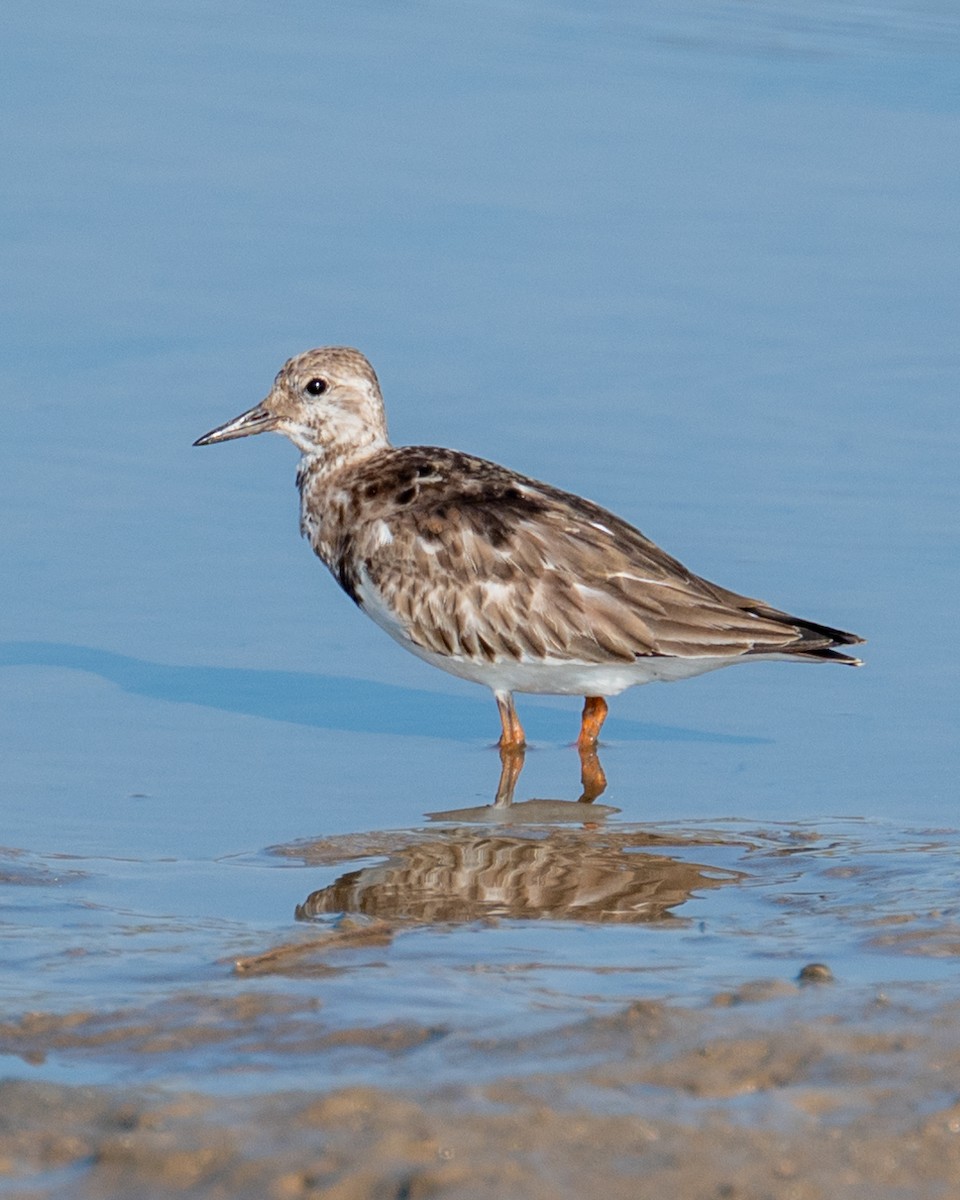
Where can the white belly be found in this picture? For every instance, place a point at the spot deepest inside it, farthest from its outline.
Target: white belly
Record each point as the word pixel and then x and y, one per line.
pixel 565 677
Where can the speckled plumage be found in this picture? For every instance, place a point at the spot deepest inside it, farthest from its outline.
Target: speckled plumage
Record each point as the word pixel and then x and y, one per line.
pixel 494 576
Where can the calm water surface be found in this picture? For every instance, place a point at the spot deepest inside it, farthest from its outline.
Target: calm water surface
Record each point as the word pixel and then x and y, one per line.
pixel 698 264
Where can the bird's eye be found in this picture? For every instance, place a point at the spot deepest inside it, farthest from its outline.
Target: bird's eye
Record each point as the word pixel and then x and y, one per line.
pixel 316 387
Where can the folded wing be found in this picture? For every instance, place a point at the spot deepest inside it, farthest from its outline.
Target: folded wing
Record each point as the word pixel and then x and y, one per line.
pixel 486 564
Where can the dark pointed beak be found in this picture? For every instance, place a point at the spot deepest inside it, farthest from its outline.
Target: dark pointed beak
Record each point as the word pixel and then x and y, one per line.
pixel 256 420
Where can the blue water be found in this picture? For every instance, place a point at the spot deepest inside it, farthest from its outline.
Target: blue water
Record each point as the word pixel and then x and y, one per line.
pixel 698 263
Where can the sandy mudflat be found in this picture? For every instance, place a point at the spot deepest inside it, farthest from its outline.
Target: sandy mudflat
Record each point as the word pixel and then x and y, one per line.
pixel 473 1013
pixel 778 1091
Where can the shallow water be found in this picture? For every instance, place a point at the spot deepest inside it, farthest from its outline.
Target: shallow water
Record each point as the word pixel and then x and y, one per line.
pixel 699 264
pixel 457 931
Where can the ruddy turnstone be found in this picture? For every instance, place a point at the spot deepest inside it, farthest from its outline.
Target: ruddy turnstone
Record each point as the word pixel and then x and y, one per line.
pixel 496 577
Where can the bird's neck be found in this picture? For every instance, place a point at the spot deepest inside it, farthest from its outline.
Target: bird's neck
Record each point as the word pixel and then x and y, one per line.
pixel 327 497
pixel 319 464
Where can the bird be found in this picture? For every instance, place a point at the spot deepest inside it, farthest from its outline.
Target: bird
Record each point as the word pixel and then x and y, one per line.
pixel 496 577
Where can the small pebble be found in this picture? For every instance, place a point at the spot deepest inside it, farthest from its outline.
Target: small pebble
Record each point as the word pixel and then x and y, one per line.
pixel 815 973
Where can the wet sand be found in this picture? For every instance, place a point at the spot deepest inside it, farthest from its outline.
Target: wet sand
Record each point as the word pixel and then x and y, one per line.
pixel 780 1090
pixel 269 1077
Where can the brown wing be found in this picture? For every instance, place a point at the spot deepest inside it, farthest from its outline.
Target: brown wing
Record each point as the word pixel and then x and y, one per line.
pixel 479 561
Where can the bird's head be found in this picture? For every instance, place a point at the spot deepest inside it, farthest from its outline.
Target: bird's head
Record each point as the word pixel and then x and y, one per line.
pixel 326 401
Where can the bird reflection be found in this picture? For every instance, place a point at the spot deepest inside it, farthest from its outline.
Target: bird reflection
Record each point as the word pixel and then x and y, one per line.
pixel 560 874
pixel 505 810
pixel 593 781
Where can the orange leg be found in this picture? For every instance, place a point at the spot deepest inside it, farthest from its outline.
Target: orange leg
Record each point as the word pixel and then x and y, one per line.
pixel 594 715
pixel 512 738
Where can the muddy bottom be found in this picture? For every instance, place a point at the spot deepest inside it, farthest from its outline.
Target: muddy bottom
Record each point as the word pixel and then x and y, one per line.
pixel 464 1011
pixel 776 1091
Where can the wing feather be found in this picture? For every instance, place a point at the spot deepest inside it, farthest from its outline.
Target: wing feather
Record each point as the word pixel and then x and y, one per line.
pixel 483 563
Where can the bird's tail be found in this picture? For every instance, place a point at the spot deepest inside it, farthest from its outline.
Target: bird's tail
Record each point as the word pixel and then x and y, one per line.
pixel 814 641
